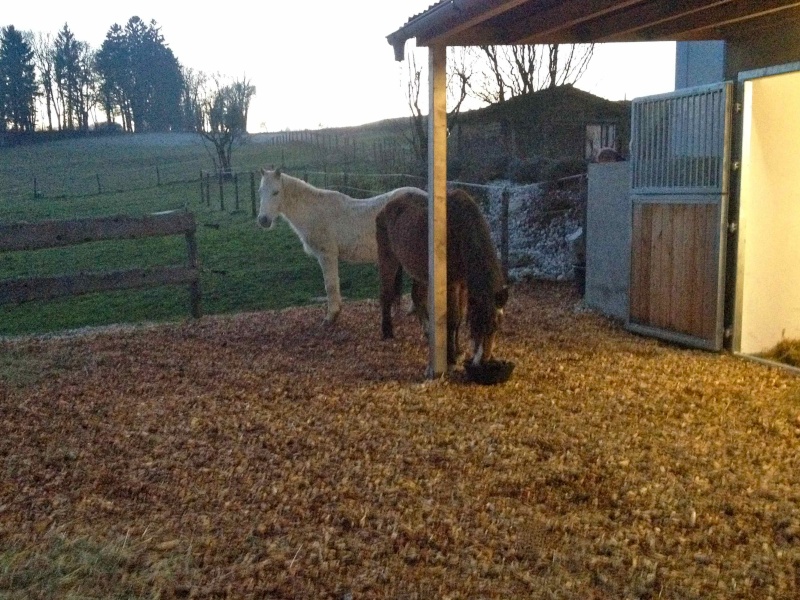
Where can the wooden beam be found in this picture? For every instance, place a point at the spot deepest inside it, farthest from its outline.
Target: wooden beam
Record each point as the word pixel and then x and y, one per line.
pixel 544 25
pixel 53 234
pixel 620 23
pixel 17 291
pixel 464 17
pixel 437 211
pixel 720 22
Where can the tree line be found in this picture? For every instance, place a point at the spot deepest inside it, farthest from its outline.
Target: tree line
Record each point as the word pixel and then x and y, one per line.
pixel 133 81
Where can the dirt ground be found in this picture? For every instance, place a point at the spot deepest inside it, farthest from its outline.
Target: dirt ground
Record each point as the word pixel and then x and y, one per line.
pixel 265 456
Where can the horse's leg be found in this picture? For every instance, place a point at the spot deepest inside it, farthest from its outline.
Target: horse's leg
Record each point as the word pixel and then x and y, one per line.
pixel 388 295
pixel 389 271
pixel 419 300
pixel 456 298
pixel 330 273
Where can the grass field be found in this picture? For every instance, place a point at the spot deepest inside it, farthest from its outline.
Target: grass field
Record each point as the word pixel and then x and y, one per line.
pixel 243 267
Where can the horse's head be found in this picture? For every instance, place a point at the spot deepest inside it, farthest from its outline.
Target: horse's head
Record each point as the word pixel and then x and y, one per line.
pixel 485 322
pixel 271 193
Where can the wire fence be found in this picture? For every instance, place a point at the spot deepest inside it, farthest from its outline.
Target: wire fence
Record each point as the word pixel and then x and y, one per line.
pixel 537 228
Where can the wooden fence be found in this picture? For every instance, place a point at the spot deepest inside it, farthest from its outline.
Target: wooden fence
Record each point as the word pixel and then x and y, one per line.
pixel 54 234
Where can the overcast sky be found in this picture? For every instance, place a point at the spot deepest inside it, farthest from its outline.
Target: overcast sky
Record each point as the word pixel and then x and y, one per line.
pixel 314 63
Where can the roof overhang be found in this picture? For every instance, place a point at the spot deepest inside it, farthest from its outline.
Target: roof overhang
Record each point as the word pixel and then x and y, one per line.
pixel 503 22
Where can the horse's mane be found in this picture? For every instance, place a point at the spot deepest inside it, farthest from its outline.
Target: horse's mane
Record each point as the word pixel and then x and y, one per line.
pixel 473 245
pixel 293 184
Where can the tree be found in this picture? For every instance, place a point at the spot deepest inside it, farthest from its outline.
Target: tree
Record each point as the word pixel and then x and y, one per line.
pixel 112 66
pixel 460 69
pixel 18 88
pixel 73 79
pixel 224 119
pixel 517 70
pixel 44 60
pixel 194 83
pixel 139 77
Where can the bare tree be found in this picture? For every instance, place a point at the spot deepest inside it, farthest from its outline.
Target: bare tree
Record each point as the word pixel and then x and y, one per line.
pixel 460 70
pixel 510 71
pixel 194 82
pixel 419 133
pixel 492 86
pixel 563 70
pixel 224 118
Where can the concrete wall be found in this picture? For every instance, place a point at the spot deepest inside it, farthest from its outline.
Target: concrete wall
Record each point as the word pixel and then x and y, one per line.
pixel 699 63
pixel 608 239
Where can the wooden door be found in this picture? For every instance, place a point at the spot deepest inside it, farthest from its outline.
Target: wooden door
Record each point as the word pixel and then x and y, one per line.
pixel 680 154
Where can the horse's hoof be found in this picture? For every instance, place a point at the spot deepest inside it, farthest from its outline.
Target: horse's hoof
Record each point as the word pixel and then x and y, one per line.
pixel 330 318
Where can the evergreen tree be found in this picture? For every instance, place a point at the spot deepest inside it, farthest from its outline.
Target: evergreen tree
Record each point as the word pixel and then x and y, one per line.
pixel 140 77
pixel 112 64
pixel 18 88
pixel 72 77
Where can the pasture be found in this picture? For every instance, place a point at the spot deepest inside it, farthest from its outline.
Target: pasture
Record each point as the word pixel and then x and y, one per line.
pixel 242 267
pixel 263 455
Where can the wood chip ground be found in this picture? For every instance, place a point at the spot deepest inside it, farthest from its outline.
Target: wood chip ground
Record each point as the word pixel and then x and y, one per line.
pixel 265 455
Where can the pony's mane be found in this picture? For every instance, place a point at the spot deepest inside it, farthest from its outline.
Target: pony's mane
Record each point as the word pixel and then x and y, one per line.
pixel 295 183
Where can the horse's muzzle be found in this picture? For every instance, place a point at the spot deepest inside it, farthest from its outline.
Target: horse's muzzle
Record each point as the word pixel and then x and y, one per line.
pixel 264 221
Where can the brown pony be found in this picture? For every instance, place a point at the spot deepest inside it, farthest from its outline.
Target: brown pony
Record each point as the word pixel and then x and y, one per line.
pixel 475 282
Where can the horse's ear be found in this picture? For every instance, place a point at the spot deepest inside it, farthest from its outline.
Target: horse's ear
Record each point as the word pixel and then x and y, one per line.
pixel 263 171
pixel 278 172
pixel 501 297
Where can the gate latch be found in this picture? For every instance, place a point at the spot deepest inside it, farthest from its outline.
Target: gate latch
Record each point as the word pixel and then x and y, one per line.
pixel 732 227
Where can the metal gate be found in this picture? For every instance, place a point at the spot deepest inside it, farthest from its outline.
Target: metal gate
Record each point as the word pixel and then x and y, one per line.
pixel 680 155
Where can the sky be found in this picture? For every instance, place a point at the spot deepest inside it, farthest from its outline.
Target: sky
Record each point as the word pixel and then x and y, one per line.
pixel 314 63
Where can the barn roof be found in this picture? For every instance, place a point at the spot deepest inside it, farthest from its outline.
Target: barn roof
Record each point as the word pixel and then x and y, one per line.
pixel 498 22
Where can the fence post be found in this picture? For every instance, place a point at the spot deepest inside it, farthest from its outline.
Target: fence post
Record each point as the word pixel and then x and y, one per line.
pixel 99 187
pixel 208 190
pixel 35 189
pixel 158 177
pixel 195 295
pixel 504 231
pixel 236 191
pixel 253 194
pixel 221 193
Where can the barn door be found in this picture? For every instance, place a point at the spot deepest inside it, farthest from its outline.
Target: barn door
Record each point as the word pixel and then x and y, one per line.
pixel 680 155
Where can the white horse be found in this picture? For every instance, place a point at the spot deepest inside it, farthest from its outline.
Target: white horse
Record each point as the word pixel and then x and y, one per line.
pixel 330 224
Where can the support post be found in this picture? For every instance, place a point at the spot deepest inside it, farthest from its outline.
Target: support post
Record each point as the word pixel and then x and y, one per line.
pixel 437 211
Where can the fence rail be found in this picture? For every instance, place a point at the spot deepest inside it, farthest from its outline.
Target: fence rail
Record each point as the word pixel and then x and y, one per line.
pixel 54 234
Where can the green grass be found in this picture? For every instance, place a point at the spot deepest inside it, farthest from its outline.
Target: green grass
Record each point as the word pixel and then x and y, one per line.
pixel 243 267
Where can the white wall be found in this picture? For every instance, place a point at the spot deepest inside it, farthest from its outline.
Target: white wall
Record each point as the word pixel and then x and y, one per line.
pixel 608 238
pixel 769 217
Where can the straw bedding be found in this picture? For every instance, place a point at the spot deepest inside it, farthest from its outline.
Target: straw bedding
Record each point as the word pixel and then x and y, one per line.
pixel 264 455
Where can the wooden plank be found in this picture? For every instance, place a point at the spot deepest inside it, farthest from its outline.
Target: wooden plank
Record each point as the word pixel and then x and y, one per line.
pixel 53 234
pixel 47 288
pixel 711 270
pixel 681 281
pixel 437 213
pixel 640 265
pixel 695 229
pixel 654 292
